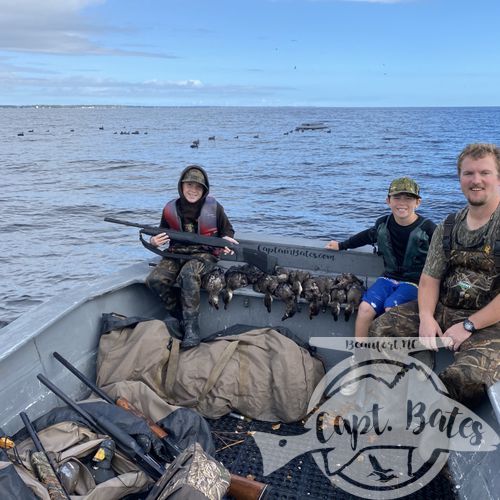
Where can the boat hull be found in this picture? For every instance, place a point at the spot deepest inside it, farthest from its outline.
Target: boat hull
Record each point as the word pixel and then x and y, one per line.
pixel 70 324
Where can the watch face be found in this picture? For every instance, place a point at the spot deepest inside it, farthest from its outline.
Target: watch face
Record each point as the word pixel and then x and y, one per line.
pixel 469 326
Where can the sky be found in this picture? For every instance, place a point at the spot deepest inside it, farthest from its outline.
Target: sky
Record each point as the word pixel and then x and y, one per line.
pixel 250 52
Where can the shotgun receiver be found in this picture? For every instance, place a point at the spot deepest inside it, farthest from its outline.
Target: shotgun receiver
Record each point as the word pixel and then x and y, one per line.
pixel 240 487
pixel 259 259
pixel 43 465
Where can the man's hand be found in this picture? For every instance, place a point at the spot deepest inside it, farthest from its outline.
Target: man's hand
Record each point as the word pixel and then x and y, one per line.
pixel 456 335
pixel 332 245
pixel 427 332
pixel 227 250
pixel 159 240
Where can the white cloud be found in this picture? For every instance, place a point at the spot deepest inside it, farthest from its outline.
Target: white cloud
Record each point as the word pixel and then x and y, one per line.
pixel 56 27
pixel 83 89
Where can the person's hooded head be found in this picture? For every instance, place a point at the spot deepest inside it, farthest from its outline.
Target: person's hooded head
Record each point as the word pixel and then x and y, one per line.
pixel 193 189
pixel 194 174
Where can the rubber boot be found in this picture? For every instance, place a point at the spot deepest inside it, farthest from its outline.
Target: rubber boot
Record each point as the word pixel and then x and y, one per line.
pixel 191 332
pixel 173 326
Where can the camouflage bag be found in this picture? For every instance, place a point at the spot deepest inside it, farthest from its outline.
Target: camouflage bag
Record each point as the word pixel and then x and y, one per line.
pixel 193 475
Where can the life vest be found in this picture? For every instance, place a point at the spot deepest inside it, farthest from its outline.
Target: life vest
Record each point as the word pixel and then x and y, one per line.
pixel 207 226
pixel 415 254
pixel 207 221
pixel 472 276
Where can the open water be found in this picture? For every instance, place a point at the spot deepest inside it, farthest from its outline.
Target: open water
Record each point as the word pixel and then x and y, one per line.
pixel 72 166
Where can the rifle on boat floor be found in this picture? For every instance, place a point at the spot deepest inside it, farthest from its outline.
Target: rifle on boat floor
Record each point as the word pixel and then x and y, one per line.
pixel 43 465
pixel 259 259
pixel 126 443
pixel 240 487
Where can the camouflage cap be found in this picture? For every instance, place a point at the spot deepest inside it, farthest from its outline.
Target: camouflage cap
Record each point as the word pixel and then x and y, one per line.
pixel 404 185
pixel 195 175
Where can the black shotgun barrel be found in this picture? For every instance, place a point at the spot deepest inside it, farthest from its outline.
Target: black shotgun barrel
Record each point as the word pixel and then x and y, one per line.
pixel 258 258
pixel 181 236
pixel 83 378
pixel 44 466
pixel 126 443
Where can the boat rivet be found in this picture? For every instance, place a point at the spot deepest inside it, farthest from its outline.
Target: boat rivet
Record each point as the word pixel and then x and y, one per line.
pixel 246 302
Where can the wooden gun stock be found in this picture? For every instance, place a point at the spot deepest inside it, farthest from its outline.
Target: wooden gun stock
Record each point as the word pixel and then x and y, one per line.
pixel 241 488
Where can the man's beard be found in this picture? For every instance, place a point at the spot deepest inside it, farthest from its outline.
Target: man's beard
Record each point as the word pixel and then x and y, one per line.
pixel 477 203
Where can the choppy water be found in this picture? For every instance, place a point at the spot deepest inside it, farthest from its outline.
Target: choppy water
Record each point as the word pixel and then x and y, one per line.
pixel 58 184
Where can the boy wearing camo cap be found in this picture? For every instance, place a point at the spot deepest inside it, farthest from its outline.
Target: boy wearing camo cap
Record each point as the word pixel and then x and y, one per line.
pixel 402 238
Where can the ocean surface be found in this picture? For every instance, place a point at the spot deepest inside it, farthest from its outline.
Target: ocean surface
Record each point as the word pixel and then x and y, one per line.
pixel 63 169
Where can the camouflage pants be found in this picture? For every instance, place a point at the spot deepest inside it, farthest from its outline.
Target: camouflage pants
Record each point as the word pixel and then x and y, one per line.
pixel 477 362
pixel 185 273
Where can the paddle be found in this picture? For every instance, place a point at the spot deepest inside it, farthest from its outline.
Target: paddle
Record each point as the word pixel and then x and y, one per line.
pixel 259 259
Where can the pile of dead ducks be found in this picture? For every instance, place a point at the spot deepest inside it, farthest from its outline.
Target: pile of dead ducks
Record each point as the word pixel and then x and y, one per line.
pixel 322 293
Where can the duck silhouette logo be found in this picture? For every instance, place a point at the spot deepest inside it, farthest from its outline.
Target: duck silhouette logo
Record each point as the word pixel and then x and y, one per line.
pixel 391 436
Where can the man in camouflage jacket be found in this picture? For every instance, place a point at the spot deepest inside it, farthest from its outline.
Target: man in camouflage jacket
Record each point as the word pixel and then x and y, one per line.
pixel 458 297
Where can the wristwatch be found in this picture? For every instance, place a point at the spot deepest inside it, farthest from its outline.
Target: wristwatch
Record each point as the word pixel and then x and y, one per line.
pixel 469 325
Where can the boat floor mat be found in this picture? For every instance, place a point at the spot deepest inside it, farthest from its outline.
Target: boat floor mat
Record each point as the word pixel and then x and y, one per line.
pixel 300 478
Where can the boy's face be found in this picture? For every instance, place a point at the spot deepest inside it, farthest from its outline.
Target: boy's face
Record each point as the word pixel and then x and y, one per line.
pixel 192 191
pixel 403 206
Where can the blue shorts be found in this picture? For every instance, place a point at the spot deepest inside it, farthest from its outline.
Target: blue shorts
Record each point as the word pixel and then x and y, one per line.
pixel 386 292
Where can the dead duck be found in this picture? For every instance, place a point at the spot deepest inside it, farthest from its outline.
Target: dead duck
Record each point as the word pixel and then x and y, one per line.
pixel 252 272
pixel 325 284
pixel 281 274
pixel 234 279
pixel 296 278
pixel 337 298
pixel 313 296
pixel 213 283
pixel 346 279
pixel 266 284
pixel 353 299
pixel 285 293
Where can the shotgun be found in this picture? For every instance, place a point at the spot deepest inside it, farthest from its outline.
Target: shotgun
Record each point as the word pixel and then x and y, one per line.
pixel 126 443
pixel 259 259
pixel 240 487
pixel 43 465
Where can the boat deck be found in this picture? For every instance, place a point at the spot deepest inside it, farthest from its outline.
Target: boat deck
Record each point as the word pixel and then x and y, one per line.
pixel 299 479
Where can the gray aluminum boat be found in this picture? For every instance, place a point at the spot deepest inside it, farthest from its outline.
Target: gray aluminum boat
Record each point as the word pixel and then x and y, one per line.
pixel 70 324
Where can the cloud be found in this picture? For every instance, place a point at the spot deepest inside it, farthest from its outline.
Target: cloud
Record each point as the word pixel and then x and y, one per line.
pixel 57 27
pixel 86 89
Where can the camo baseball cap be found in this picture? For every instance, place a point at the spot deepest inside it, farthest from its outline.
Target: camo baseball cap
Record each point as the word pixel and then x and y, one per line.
pixel 404 185
pixel 195 175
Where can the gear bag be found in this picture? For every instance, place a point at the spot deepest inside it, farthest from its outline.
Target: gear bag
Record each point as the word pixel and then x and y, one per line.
pixel 12 485
pixel 71 445
pixel 261 373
